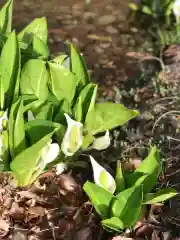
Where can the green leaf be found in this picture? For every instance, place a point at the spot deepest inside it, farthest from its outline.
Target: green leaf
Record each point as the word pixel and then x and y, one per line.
pixel 147 10
pixel 84 107
pixel 87 140
pixel 63 82
pixel 108 116
pixel 9 70
pixel 38 128
pixel 160 196
pixel 127 206
pixel 24 165
pixel 78 67
pixel 150 168
pixel 6 157
pixel 40 48
pixel 45 112
pixel 6 17
pixel 99 197
pixel 64 107
pixel 34 79
pixel 31 102
pixel 133 6
pixel 113 223
pixel 38 28
pixel 119 179
pixel 17 141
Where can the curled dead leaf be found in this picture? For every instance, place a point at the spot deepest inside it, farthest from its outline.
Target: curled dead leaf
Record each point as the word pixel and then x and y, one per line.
pixel 4 228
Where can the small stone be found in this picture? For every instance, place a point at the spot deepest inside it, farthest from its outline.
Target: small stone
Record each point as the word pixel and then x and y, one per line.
pixel 106 19
pixel 112 30
pixel 134 30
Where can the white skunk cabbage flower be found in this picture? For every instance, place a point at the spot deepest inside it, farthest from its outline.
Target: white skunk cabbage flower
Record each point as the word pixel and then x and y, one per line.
pixel 102 143
pixel 48 154
pixel 176 10
pixel 73 137
pixel 60 168
pixel 102 177
pixel 3 121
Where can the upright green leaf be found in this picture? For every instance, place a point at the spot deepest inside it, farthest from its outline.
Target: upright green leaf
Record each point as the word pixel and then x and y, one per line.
pixel 63 82
pixel 40 48
pixel 108 116
pixel 6 17
pixel 64 107
pixel 78 67
pixel 150 168
pixel 9 69
pixel 127 206
pixel 99 197
pixel 84 107
pixel 6 157
pixel 38 28
pixel 34 79
pixel 120 183
pixel 24 165
pixel 160 196
pixel 17 141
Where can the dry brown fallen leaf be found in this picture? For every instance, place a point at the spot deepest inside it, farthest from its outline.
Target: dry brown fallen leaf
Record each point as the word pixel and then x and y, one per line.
pixel 4 228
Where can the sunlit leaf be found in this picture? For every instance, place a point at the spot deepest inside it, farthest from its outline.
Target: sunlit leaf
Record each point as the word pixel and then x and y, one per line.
pixel 149 168
pixel 113 223
pixel 108 116
pixel 120 183
pixel 34 79
pixel 63 82
pixel 99 197
pixel 159 196
pixel 127 206
pixel 78 67
pixel 38 28
pixel 6 17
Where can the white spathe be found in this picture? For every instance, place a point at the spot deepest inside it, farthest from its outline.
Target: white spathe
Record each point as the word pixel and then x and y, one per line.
pixel 60 168
pixel 2 119
pixel 102 177
pixel 48 154
pixel 73 137
pixel 102 143
pixel 176 9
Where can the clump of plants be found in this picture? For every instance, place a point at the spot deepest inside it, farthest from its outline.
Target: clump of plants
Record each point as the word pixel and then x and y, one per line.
pixel 49 110
pixel 50 116
pixel 120 201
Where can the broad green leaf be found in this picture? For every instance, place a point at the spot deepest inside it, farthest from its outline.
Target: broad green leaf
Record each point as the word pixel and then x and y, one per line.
pixel 24 165
pixel 45 112
pixel 9 70
pixel 40 48
pixel 108 116
pixel 127 205
pixel 34 79
pixel 160 196
pixel 120 184
pixel 60 59
pixel 38 128
pixel 63 82
pixel 6 17
pixel 38 28
pixel 78 67
pixel 113 223
pixel 84 107
pixel 150 168
pixel 17 141
pixel 99 197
